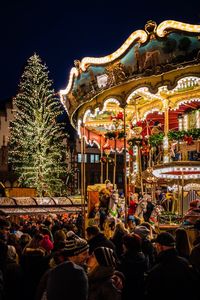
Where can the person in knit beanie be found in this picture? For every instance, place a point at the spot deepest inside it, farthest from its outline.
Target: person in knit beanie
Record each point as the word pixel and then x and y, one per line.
pixel 101 264
pixel 68 280
pixel 76 248
pixel 68 271
pixel 105 257
pixel 142 231
pixel 46 243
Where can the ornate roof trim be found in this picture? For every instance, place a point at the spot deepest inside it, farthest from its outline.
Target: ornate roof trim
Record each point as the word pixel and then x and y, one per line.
pixel 167 26
pixel 141 36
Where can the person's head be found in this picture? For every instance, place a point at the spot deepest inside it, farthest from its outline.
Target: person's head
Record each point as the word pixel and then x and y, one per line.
pixel 102 256
pixel 24 240
pixel 59 236
pixel 109 185
pixel 142 231
pixel 132 243
pixel 120 227
pixel 4 229
pixel 46 243
pixel 182 242
pixel 35 241
pixel 149 227
pixel 92 231
pixel 76 248
pixel 11 254
pixel 96 207
pixel 164 241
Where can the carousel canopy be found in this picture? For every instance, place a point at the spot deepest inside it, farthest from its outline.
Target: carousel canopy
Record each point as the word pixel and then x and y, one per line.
pixel 154 68
pixel 186 170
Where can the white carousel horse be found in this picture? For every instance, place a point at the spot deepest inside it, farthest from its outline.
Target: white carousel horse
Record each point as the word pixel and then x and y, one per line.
pixel 158 209
pixel 141 208
pixel 113 204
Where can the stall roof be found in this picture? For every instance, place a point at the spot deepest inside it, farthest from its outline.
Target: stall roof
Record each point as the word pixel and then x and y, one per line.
pixel 39 205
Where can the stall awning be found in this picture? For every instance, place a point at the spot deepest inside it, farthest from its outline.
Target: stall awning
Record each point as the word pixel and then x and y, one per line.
pixel 39 205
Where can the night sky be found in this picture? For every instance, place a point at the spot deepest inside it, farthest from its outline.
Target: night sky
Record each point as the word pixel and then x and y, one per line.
pixel 62 31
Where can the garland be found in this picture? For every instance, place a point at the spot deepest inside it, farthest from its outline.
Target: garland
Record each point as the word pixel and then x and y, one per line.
pixel 156 139
pixel 114 135
pixel 182 135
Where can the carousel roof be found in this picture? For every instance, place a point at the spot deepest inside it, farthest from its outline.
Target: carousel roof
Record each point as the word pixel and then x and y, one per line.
pixel 178 170
pixel 154 67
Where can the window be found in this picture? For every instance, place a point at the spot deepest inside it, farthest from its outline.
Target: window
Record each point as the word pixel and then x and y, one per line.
pixel 79 158
pixel 94 158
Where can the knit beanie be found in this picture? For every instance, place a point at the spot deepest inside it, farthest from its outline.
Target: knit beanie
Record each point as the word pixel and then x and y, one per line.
pixel 142 231
pixel 46 243
pixel 105 257
pixel 74 244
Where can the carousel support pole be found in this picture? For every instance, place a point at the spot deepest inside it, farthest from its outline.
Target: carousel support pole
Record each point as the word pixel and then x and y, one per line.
pixel 107 168
pixel 125 175
pixel 140 168
pixel 82 179
pixel 115 162
pixel 129 179
pixel 101 149
pixel 182 193
pixel 83 189
pixel 166 130
pixel 179 197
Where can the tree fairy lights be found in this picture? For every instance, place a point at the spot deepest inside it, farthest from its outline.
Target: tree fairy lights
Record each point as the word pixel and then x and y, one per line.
pixel 36 150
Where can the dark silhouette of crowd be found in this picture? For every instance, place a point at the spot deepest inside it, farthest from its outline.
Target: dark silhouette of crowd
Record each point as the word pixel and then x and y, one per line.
pixel 49 258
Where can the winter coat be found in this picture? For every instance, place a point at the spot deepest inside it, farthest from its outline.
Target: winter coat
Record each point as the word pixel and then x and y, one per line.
pixel 101 286
pixel 195 258
pixel 13 281
pixel 67 281
pixel 34 265
pixel 117 239
pixel 1 286
pixel 100 241
pixel 133 265
pixel 149 252
pixel 171 278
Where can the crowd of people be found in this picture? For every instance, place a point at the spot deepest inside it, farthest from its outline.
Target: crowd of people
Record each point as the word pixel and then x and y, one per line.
pixel 50 258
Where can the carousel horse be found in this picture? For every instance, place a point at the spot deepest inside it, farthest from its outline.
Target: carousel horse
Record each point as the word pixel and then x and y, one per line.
pixel 157 211
pixel 113 204
pixel 112 216
pixel 141 208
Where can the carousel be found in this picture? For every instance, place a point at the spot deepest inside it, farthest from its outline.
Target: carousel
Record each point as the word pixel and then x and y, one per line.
pixel 143 100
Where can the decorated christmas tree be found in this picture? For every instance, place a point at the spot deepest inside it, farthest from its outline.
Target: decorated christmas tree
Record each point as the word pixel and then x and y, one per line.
pixel 37 154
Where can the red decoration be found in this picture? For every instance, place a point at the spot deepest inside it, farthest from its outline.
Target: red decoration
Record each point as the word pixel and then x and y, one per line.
pixel 119 116
pixel 139 123
pixel 103 159
pixel 130 152
pixel 188 140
